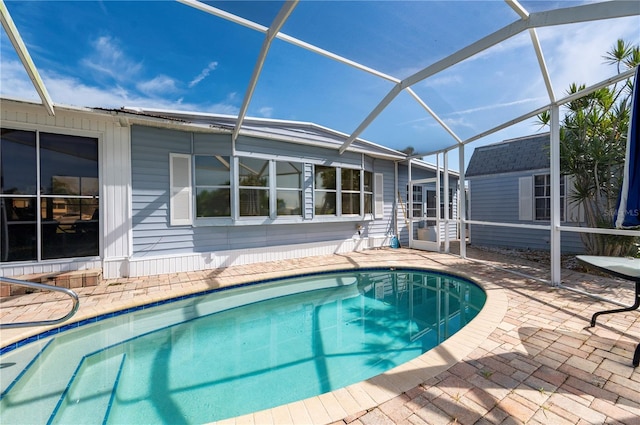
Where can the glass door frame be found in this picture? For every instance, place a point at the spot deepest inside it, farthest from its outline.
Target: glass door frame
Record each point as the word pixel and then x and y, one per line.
pixel 414 222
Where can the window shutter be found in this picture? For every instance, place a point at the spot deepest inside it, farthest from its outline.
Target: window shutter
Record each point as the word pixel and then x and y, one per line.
pixel 378 196
pixel 525 197
pixel 180 181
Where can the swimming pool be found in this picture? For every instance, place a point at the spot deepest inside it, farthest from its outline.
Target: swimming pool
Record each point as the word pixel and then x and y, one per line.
pixel 231 352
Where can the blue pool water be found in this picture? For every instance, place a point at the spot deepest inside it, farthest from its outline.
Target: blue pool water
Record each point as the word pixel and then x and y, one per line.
pixel 236 351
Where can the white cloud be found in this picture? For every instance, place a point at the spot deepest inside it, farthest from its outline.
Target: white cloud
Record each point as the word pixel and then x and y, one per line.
pixel 443 81
pixel 575 53
pixel 117 82
pixel 266 111
pixel 14 83
pixel 497 106
pixel 108 59
pixel 159 85
pixel 203 74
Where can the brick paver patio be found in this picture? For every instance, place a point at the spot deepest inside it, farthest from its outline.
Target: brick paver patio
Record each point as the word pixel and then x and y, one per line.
pixel 529 357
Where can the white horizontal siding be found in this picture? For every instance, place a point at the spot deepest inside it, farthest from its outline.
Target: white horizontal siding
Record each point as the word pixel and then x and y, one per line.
pixel 51 266
pixel 212 260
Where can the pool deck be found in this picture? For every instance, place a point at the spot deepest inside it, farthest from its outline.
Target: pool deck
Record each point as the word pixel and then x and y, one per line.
pixel 529 357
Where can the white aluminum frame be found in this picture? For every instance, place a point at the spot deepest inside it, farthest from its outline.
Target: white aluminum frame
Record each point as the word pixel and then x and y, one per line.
pixel 527 21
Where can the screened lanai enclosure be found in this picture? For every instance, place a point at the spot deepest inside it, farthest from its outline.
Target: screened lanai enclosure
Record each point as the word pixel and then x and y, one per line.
pixel 161 136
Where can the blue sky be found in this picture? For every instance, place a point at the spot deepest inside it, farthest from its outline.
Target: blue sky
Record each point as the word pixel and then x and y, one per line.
pixel 163 54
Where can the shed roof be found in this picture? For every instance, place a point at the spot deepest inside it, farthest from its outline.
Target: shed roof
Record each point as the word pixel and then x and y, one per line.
pixel 525 153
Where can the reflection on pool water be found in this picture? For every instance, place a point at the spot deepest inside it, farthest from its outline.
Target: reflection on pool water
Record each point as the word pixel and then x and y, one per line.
pixel 235 351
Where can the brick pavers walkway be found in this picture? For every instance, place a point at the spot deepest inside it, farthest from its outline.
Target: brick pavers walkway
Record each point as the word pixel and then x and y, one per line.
pixel 538 363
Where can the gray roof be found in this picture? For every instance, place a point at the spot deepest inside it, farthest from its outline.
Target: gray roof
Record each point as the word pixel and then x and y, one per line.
pixel 292 131
pixel 525 153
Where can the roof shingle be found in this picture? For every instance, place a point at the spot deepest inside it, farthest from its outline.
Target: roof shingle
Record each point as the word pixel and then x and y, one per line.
pixel 526 153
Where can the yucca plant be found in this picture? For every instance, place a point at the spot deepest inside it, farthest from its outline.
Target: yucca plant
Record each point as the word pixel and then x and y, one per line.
pixel 593 136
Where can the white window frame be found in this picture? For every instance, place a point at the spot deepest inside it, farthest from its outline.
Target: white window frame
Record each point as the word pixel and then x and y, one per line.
pixel 563 197
pixel 335 191
pixel 527 198
pixel 359 191
pixel 275 189
pixel 339 191
pixel 204 219
pixel 179 191
pixel 268 189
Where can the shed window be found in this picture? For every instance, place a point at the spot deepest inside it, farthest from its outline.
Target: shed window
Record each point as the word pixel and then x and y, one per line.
pixel 542 197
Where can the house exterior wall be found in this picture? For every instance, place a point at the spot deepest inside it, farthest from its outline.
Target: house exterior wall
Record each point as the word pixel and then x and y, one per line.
pixel 136 237
pixel 496 198
pixel 159 247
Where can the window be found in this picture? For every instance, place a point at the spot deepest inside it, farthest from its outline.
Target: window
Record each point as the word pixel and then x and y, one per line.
pixel 367 192
pixel 288 188
pixel 325 190
pixel 350 185
pixel 57 216
pixel 254 187
pixel 542 197
pixel 213 186
pixel 345 191
pixel 265 188
pixel 213 178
